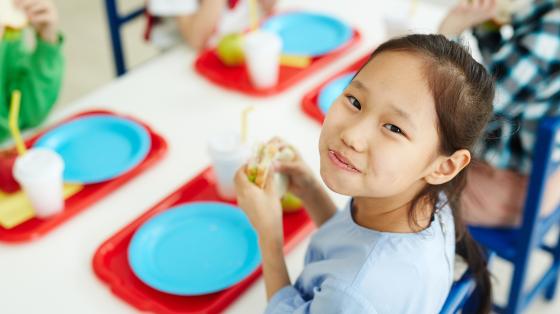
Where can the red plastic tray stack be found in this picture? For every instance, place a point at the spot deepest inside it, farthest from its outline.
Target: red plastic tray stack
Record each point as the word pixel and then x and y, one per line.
pixel 111 259
pixel 309 102
pixel 91 193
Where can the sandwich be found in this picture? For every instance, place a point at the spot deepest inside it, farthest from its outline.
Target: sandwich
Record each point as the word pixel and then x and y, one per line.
pixel 11 16
pixel 260 165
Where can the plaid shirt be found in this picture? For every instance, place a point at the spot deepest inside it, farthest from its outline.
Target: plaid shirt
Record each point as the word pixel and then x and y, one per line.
pixel 527 71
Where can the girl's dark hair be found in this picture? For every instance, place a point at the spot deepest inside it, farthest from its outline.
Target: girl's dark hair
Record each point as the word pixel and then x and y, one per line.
pixel 463 93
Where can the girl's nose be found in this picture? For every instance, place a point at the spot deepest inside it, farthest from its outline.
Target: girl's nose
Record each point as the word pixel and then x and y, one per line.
pixel 354 136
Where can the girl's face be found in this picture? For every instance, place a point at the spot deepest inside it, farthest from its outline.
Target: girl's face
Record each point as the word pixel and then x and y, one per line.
pixel 380 138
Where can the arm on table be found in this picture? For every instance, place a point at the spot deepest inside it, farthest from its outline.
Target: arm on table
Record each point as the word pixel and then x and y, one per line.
pixel 197 28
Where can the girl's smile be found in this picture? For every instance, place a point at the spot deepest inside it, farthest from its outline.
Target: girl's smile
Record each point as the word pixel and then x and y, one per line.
pixel 342 162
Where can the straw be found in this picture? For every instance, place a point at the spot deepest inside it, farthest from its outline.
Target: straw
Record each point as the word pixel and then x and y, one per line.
pixel 14 126
pixel 244 119
pixel 253 18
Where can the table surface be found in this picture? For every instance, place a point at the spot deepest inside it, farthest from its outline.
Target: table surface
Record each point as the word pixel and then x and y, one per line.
pixel 54 273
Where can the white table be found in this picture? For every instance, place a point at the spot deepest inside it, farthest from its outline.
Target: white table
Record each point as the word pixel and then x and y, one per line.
pixel 54 273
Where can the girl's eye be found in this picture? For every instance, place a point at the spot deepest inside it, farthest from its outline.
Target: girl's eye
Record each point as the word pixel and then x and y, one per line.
pixel 354 102
pixel 393 128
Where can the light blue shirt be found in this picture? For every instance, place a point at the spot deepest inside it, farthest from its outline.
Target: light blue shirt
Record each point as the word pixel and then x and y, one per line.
pixel 352 269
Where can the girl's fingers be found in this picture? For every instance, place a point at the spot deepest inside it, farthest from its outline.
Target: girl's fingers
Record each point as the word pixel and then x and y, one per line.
pixel 283 166
pixel 269 187
pixel 242 182
pixel 240 179
pixel 285 144
pixel 288 167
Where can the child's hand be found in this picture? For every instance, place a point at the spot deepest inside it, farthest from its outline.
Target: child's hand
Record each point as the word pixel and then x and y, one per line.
pixel 300 178
pixel 262 206
pixel 467 14
pixel 43 17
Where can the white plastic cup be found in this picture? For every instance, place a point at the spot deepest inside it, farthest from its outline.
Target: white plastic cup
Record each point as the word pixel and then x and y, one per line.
pixel 39 173
pixel 228 154
pixel 262 58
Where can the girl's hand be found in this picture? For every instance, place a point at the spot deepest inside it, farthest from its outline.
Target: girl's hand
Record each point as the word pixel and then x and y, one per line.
pixel 301 181
pixel 467 14
pixel 42 16
pixel 262 206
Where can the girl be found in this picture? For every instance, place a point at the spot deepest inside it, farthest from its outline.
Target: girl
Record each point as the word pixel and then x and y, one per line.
pixel 397 142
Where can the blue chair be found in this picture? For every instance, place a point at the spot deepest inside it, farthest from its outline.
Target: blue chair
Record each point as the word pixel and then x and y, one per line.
pixel 116 21
pixel 460 292
pixel 462 295
pixel 516 244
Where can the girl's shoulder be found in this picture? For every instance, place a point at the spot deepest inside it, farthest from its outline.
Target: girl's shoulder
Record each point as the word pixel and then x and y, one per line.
pixel 342 238
pixel 385 266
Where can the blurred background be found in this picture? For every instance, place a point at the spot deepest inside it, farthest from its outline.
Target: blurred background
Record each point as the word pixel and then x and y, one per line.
pixel 84 24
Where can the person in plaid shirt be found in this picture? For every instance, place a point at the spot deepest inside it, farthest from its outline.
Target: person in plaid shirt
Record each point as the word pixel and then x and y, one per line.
pixel 519 41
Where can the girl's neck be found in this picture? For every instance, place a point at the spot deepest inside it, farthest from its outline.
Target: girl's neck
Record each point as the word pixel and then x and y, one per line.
pixel 391 214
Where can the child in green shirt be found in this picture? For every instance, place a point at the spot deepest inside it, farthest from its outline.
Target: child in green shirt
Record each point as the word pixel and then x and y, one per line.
pixel 38 73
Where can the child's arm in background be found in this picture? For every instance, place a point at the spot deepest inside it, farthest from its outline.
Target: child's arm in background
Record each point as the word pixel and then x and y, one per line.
pixel 42 16
pixel 465 15
pixel 475 15
pixel 38 75
pixel 268 5
pixel 198 27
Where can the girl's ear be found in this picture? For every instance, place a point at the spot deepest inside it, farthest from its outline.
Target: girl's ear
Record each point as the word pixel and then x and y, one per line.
pixel 447 167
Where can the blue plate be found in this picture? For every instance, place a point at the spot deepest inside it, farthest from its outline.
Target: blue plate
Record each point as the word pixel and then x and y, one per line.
pixel 195 249
pixel 308 34
pixel 97 148
pixel 332 90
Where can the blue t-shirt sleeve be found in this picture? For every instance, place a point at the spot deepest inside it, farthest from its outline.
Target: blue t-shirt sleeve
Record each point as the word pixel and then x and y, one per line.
pixel 330 297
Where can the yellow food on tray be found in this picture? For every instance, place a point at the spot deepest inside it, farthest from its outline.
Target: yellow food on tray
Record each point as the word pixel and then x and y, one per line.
pixel 15 208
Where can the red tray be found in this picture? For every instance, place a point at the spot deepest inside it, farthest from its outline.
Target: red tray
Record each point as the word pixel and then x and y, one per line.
pixel 236 77
pixel 309 103
pixel 91 193
pixel 111 262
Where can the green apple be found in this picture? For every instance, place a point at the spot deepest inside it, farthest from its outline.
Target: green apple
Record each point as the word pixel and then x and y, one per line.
pixel 230 49
pixel 291 203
